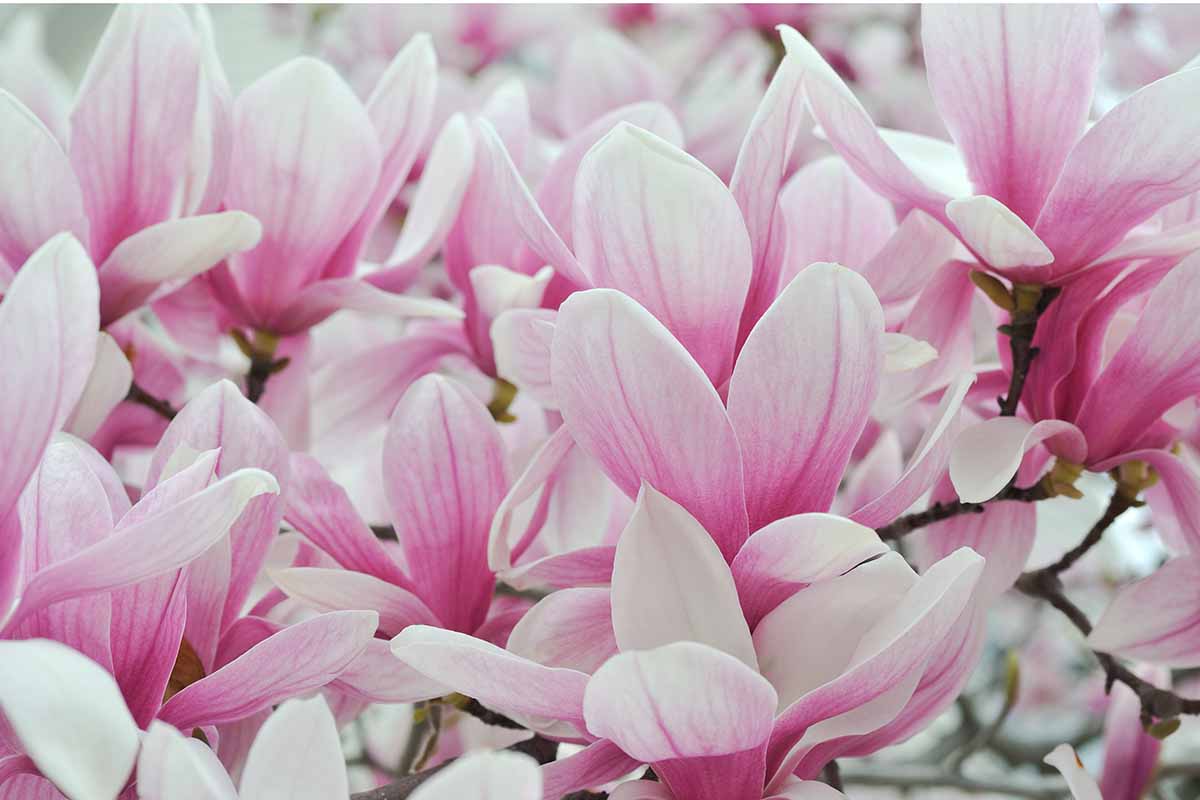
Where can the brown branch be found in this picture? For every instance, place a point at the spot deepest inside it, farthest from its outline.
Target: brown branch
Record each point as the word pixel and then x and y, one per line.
pixel 1029 304
pixel 156 404
pixel 943 511
pixel 1118 504
pixel 263 364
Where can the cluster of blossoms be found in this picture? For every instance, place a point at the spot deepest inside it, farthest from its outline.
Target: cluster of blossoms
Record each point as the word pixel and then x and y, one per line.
pixel 653 403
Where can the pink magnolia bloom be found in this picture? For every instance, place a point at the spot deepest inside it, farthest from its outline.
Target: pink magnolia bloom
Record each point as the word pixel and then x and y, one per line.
pixel 144 168
pixel 1170 636
pixel 319 169
pixel 692 665
pixel 1033 195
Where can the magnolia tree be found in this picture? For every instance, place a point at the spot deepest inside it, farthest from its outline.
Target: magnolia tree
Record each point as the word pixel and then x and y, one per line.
pixel 652 403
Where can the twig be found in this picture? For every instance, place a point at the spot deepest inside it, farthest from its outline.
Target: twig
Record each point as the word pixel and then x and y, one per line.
pixel 263 364
pixel 943 511
pixel 832 775
pixel 1118 504
pixel 1030 302
pixel 156 404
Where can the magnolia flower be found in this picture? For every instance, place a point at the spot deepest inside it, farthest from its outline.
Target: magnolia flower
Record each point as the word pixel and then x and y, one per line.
pixel 708 670
pixel 996 69
pixel 144 168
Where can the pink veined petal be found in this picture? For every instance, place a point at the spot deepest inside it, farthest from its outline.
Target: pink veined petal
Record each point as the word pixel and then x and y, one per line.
pixel 377 676
pixel 887 660
pixel 636 401
pixel 146 628
pixel 106 387
pixel 495 289
pixel 670 583
pixel 221 417
pixel 169 252
pixel 1156 367
pixel 641 790
pixel 595 765
pixel 603 70
pixel 1126 167
pixel 521 340
pixel 401 108
pixel 853 135
pixel 802 390
pixel 315 302
pixel 701 716
pixel 321 511
pixel 1179 482
pixel 500 680
pixel 987 455
pixel 1081 785
pixel 434 207
pixel 548 460
pixel 1130 753
pixel 39 194
pixel 638 203
pixel 555 194
pixel 131 127
pixel 174 767
pixel 835 612
pixel 156 543
pixel 587 566
pixel 48 323
pixel 1155 619
pixel 208 163
pixel 758 174
pixel 1014 101
pixel 928 460
pixel 340 590
pixel 999 237
pixel 445 473
pixel 305 157
pixel 571 628
pixel 68 715
pixel 789 554
pixel 1005 555
pixel 485 776
pixel 295 661
pixel 832 216
pixel 297 754
pixel 909 258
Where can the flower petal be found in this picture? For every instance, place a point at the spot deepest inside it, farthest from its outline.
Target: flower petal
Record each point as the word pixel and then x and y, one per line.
pixel 172 767
pixel 572 628
pixel 485 776
pixel 1081 785
pixel 106 387
pixel 987 455
pixel 1000 238
pixel 595 765
pixel 1155 619
pixel 297 754
pixel 340 590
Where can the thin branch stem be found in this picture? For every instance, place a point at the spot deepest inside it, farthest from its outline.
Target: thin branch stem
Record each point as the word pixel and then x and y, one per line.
pixel 1030 302
pixel 156 404
pixel 943 511
pixel 1118 504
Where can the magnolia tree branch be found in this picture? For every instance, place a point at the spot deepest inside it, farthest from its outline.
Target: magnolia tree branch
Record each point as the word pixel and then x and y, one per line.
pixel 1029 303
pixel 938 512
pixel 156 404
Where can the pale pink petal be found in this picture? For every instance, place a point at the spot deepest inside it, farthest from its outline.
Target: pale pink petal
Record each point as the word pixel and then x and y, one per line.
pixel 548 460
pixel 445 474
pixel 601 71
pixel 882 672
pixel 169 252
pixel 1155 619
pixel 902 353
pixel 907 260
pixel 836 612
pixel 587 566
pixel 638 202
pixel 48 323
pixel 174 767
pixel 132 122
pixel 832 216
pixel 595 765
pixel 521 340
pixel 340 590
pixel 500 680
pixel 1006 555
pixel 572 628
pixel 494 290
pixel 1157 366
pixel 28 71
pixel 791 553
pixel 1131 163
pixel 317 301
pixel 305 157
pixel 297 755
pixel 297 660
pixel 39 194
pixel 147 624
pixel 670 583
pixel 106 387
pixel 212 137
pixel 996 234
pixel 1014 100
pixel 401 108
pixel 1130 753
pixel 802 390
pixel 485 776
pixel 322 512
pixel 377 676
pixel 986 456
pixel 927 462
pixel 681 703
pixel 68 715
pixel 636 402
pixel 1081 785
